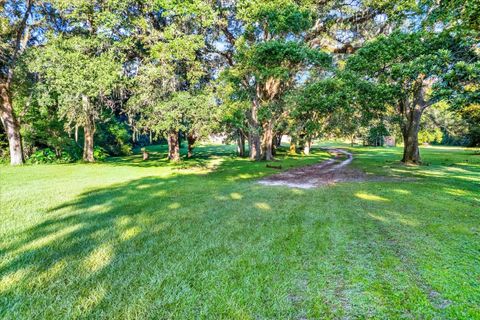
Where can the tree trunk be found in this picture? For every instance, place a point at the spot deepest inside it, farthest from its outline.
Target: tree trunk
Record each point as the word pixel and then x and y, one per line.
pixel 278 140
pixel 7 115
pixel 254 132
pixel 254 153
pixel 268 141
pixel 11 125
pixel 411 152
pixel 173 146
pixel 274 144
pixel 293 146
pixel 88 143
pixel 241 144
pixel 412 113
pixel 307 146
pixel 301 141
pixel 88 131
pixel 191 139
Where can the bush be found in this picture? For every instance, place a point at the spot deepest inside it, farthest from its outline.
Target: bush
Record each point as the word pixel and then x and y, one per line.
pixel 100 154
pixel 46 155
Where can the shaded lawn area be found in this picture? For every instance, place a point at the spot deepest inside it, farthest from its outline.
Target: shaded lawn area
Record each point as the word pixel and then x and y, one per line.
pixel 131 239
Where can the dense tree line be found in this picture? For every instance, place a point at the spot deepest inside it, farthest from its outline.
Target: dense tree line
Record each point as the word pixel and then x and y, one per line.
pixel 88 78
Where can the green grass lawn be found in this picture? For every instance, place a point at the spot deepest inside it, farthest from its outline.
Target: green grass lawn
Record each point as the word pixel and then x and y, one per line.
pixel 130 239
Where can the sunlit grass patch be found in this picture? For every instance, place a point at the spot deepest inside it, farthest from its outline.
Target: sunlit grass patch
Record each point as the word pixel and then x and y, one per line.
pixel 371 197
pixel 99 258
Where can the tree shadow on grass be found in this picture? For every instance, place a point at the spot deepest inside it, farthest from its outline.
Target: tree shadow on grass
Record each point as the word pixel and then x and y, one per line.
pixel 113 242
pixel 164 247
pixel 201 156
pixel 106 239
pixel 158 156
pixel 138 242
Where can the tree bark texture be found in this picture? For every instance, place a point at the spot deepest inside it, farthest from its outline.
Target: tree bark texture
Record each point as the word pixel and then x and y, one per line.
pixel 241 143
pixel 268 140
pixel 411 111
pixel 173 146
pixel 191 139
pixel 11 125
pixel 254 132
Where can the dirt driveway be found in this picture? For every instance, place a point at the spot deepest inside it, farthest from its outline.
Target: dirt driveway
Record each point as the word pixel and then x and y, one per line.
pixel 327 172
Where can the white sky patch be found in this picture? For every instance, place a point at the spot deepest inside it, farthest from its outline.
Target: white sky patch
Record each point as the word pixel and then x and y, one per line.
pixel 380 18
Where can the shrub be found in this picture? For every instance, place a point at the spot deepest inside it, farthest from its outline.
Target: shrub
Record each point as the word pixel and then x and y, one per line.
pixel 46 155
pixel 100 154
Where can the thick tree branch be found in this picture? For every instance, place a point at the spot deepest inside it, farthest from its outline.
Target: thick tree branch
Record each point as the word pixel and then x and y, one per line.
pixel 19 41
pixel 230 37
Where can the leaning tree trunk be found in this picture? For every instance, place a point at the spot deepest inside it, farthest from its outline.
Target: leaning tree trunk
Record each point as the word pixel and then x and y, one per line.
pixel 88 143
pixel 12 127
pixel 268 140
pixel 7 115
pixel 191 139
pixel 412 113
pixel 240 143
pixel 411 152
pixel 254 134
pixel 173 146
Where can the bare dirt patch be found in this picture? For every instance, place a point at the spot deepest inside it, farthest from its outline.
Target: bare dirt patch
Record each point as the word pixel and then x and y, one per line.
pixel 324 173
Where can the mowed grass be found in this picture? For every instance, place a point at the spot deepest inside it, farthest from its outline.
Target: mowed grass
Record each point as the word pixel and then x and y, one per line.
pixel 128 239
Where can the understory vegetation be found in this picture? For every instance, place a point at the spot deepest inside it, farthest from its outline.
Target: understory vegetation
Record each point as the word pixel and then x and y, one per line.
pixel 202 239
